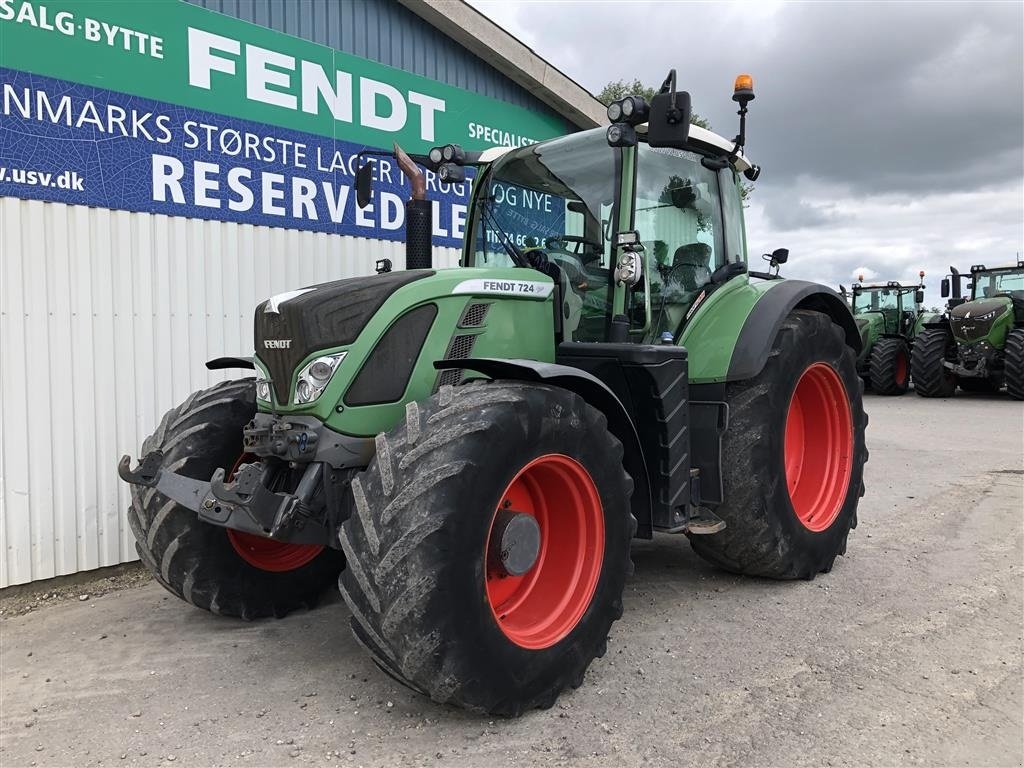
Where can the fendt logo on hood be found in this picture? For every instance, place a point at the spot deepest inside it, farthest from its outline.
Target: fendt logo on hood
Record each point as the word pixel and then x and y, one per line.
pixel 277 343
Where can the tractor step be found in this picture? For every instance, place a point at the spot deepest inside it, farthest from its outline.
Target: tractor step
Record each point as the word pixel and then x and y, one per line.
pixel 703 521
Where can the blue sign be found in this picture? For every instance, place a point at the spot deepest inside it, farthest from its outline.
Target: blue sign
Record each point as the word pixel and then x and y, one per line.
pixel 81 145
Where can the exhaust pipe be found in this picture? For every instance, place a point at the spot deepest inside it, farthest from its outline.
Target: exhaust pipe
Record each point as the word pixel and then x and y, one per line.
pixel 419 224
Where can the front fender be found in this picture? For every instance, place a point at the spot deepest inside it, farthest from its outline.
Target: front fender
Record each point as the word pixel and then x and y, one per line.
pixel 597 394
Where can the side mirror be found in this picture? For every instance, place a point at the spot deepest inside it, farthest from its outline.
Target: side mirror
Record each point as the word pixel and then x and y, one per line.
pixel 944 288
pixel 780 255
pixel 919 297
pixel 364 184
pixel 668 124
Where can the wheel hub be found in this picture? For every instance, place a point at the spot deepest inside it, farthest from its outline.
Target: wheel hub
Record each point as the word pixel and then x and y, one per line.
pixel 515 538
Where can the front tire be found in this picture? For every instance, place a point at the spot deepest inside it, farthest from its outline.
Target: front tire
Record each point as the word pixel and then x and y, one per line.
pixel 890 367
pixel 432 596
pixel 931 377
pixel 793 457
pixel 219 570
pixel 1014 363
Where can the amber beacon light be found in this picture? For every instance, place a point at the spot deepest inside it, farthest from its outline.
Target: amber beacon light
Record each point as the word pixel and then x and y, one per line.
pixel 743 89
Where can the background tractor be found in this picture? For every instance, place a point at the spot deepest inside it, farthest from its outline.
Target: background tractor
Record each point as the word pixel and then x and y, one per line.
pixel 889 316
pixel 978 344
pixel 472 450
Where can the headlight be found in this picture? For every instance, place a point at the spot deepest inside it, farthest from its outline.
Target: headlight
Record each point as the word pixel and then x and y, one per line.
pixel 315 377
pixel 987 316
pixel 262 386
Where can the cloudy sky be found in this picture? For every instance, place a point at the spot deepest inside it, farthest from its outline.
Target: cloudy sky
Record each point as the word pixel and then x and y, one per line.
pixel 891 134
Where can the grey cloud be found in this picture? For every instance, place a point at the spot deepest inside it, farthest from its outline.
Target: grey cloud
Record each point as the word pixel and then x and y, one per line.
pixel 891 134
pixel 787 213
pixel 883 96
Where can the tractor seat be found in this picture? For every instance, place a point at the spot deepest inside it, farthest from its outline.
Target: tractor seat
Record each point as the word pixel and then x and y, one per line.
pixel 690 265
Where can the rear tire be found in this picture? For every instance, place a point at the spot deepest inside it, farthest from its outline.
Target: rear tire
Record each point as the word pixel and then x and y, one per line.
pixel 931 378
pixel 420 583
pixel 890 367
pixel 197 561
pixel 1014 363
pixel 780 432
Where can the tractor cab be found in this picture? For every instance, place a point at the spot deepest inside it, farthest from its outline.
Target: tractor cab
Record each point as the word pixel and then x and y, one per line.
pixel 560 205
pixel 893 306
pixel 1000 282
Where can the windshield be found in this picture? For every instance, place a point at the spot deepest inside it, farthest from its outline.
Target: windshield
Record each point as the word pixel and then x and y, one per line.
pixel 554 197
pixel 874 300
pixel 678 215
pixel 992 283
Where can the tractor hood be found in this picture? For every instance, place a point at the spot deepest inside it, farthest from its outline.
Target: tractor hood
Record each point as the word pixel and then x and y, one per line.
pixel 869 325
pixel 291 326
pixel 975 320
pixel 352 352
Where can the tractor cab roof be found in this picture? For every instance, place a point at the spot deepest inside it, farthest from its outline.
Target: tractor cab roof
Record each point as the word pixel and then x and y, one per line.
pixel 891 285
pixel 701 137
pixel 976 268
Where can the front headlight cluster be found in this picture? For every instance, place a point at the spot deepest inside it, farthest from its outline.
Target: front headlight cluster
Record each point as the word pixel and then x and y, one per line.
pixel 315 377
pixel 987 316
pixel 262 385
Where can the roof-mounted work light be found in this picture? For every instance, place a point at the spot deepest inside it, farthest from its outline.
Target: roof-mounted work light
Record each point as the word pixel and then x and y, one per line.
pixel 621 135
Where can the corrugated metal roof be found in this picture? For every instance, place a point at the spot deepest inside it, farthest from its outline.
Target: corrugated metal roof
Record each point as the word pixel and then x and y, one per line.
pixel 387 32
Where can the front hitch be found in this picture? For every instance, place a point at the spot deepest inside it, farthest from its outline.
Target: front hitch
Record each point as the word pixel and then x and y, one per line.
pixel 245 503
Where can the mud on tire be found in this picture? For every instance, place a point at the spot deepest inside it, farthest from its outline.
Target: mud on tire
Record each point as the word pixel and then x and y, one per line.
pixel 889 367
pixel 195 560
pixel 932 347
pixel 1014 363
pixel 415 580
pixel 763 535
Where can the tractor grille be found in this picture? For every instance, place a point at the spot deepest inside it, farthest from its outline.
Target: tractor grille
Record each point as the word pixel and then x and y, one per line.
pixel 473 316
pixel 459 348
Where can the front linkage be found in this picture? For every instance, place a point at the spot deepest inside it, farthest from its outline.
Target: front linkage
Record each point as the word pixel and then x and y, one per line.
pixel 246 502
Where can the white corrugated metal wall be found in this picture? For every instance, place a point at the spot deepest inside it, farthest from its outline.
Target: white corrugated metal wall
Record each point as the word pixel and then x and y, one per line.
pixel 106 319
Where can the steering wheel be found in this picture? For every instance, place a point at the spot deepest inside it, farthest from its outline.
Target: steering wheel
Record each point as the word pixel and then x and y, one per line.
pixel 571 281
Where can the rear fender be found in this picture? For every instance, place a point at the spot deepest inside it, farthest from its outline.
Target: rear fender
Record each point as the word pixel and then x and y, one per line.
pixel 597 394
pixel 754 342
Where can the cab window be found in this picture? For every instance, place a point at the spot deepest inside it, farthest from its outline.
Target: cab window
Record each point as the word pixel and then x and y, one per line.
pixel 679 217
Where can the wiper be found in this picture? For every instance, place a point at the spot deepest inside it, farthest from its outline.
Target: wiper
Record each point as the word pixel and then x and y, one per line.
pixel 517 256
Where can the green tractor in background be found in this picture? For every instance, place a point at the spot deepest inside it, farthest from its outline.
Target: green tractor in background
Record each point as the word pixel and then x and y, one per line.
pixel 469 452
pixel 889 316
pixel 979 344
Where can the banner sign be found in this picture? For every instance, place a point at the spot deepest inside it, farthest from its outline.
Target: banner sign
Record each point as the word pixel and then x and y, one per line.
pixel 527 217
pixel 165 107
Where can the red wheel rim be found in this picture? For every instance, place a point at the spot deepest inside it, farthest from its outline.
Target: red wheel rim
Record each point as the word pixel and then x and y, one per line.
pixel 542 606
pixel 901 369
pixel 819 446
pixel 268 554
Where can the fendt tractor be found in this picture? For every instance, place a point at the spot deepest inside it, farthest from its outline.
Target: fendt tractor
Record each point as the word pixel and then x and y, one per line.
pixel 978 344
pixel 889 316
pixel 470 451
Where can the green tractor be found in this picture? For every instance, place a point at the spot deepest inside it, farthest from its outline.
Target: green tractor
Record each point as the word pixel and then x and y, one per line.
pixel 889 316
pixel 469 452
pixel 979 344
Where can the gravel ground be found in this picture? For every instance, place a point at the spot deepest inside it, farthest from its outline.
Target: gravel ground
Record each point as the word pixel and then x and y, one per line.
pixel 908 653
